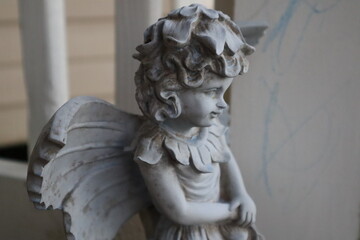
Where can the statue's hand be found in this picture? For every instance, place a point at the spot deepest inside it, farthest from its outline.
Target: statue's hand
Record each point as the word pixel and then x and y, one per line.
pixel 246 210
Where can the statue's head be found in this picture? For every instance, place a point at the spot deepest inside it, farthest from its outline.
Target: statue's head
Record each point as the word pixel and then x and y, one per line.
pixel 179 51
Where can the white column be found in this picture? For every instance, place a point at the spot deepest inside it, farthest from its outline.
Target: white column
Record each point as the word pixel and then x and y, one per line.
pixel 132 18
pixel 42 25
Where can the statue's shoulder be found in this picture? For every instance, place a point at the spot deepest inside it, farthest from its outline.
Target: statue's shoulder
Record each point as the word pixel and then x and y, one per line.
pixel 149 143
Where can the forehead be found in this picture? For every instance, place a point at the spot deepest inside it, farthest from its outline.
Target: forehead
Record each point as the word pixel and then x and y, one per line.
pixel 215 81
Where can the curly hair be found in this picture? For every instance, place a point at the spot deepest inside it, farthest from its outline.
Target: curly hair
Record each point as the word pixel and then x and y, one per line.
pixel 178 50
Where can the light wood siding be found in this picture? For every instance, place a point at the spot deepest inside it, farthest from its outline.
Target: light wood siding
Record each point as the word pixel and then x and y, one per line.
pixel 90 33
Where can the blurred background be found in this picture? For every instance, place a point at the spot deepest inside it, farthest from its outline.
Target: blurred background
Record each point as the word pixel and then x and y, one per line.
pixel 90 36
pixel 295 117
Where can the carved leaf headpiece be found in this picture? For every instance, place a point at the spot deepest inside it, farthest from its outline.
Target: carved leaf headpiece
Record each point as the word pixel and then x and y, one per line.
pixel 215 36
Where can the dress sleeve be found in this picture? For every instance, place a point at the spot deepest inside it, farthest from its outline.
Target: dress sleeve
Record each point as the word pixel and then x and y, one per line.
pixel 149 149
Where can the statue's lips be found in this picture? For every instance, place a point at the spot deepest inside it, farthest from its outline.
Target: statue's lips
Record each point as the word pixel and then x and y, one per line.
pixel 215 114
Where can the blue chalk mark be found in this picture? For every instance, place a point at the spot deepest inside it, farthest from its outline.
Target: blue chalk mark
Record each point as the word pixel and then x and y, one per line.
pixel 273 106
pixel 279 31
pixel 265 145
pixel 316 9
pixel 281 26
pixel 301 37
pixel 297 129
pixel 312 115
pixel 277 35
pixel 283 116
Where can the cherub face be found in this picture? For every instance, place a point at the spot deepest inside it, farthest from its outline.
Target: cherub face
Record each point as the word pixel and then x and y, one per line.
pixel 202 105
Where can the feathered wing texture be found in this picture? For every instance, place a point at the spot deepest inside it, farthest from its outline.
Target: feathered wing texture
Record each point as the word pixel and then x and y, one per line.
pixel 82 165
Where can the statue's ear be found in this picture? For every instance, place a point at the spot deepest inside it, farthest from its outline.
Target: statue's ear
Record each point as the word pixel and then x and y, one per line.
pixel 172 104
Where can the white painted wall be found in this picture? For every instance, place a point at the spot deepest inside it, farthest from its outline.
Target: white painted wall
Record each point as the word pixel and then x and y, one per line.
pixel 296 119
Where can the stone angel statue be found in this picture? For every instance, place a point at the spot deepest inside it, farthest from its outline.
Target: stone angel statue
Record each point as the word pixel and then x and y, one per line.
pixel 101 165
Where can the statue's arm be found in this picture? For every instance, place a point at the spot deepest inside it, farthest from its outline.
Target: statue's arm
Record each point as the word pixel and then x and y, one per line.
pixel 236 191
pixel 232 177
pixel 170 200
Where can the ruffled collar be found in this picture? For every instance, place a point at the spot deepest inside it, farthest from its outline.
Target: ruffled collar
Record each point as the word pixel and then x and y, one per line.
pixel 199 151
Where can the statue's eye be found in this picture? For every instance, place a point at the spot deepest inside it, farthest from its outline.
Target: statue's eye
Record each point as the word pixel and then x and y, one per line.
pixel 212 91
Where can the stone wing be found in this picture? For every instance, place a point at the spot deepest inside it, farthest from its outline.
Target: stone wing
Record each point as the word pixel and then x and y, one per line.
pixel 252 31
pixel 83 164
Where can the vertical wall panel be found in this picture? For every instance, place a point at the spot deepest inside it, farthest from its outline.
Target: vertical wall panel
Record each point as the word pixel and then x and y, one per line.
pixel 295 119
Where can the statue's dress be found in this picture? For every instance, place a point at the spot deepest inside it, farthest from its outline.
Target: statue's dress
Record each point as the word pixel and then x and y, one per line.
pixel 196 162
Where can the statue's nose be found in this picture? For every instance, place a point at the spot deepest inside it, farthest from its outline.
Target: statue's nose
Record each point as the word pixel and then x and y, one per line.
pixel 222 104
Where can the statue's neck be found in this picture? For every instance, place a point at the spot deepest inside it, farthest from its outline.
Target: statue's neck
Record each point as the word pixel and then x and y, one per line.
pixel 180 128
